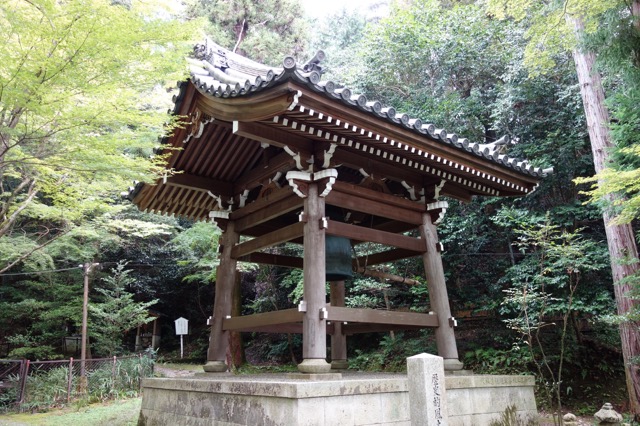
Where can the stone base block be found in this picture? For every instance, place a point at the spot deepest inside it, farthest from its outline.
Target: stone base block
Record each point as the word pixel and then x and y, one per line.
pixel 355 399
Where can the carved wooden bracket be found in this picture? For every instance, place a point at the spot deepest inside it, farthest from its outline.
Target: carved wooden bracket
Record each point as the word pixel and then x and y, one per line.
pixel 299 181
pixel 197 124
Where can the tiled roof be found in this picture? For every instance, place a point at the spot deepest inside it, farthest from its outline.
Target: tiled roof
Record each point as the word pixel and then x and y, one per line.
pixel 245 124
pixel 220 73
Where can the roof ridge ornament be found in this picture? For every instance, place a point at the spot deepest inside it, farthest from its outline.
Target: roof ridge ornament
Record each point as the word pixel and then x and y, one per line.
pixel 314 63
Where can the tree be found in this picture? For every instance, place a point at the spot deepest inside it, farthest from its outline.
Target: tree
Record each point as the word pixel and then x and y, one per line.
pixel 545 285
pixel 265 31
pixel 117 312
pixel 548 25
pixel 337 35
pixel 78 112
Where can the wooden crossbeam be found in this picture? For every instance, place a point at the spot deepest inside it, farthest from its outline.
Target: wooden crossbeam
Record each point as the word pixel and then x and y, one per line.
pixel 280 163
pixel 377 208
pixel 374 316
pixel 273 259
pixel 370 194
pixel 356 328
pixel 285 316
pixel 383 257
pixel 200 183
pixel 283 235
pixel 261 203
pixel 270 211
pixel 273 136
pixel 360 233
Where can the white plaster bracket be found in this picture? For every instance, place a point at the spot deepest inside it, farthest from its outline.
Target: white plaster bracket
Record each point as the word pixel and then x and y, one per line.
pixel 453 322
pixel 296 156
pixel 437 188
pixel 438 205
pixel 331 175
pixel 364 174
pixel 296 99
pixel 293 176
pixel 328 154
pixel 216 214
pixel 411 190
pixel 302 306
pixel 276 178
pixel 210 320
pixel 324 223
pixel 243 198
pixel 324 314
pixel 228 317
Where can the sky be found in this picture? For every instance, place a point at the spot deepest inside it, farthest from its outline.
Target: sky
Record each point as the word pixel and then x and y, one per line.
pixel 320 8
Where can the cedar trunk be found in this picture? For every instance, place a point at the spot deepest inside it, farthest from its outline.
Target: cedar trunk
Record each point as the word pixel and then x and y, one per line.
pixel 620 238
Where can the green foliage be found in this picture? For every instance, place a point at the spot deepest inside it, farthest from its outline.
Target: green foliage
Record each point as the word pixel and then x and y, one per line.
pixel 547 31
pixel 337 35
pixel 544 291
pixel 497 361
pixel 265 31
pixel 617 43
pixel 117 313
pixel 49 388
pixel 197 250
pixel 392 352
pixel 121 380
pixel 30 347
pixel 441 64
pixel 9 393
pixel 81 105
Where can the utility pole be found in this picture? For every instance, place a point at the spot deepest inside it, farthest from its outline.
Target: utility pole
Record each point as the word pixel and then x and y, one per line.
pixel 85 314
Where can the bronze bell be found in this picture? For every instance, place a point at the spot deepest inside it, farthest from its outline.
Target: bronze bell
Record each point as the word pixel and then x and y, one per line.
pixel 337 252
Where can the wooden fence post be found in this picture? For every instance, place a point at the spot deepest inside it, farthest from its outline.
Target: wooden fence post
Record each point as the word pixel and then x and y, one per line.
pixel 23 384
pixel 70 379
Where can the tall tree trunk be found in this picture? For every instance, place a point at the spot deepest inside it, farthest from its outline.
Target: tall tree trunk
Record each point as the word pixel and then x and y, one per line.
pixel 620 238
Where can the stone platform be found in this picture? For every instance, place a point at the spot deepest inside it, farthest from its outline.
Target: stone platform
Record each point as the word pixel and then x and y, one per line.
pixel 353 399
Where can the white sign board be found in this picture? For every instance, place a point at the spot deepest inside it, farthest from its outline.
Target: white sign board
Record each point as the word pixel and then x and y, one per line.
pixel 182 326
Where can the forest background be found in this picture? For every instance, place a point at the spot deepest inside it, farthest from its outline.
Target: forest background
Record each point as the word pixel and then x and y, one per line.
pixel 83 99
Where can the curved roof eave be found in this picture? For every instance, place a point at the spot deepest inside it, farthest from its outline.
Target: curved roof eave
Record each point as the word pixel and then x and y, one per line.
pixel 216 74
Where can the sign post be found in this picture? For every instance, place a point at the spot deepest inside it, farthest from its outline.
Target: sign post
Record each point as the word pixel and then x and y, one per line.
pixel 182 328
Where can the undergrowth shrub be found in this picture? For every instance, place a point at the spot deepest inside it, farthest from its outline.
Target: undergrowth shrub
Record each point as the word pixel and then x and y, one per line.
pixel 392 352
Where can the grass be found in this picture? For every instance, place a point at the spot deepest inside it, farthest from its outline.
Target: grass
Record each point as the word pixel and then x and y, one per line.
pixel 116 413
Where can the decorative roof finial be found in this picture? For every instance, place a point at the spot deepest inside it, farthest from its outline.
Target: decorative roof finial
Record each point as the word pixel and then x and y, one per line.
pixel 314 63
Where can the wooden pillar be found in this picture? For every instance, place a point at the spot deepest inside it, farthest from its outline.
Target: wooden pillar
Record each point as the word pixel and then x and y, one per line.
pixel 445 338
pixel 155 337
pixel 225 280
pixel 338 338
pixel 138 346
pixel 314 329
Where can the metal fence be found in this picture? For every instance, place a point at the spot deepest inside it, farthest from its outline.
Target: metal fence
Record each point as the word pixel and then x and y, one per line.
pixel 34 385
